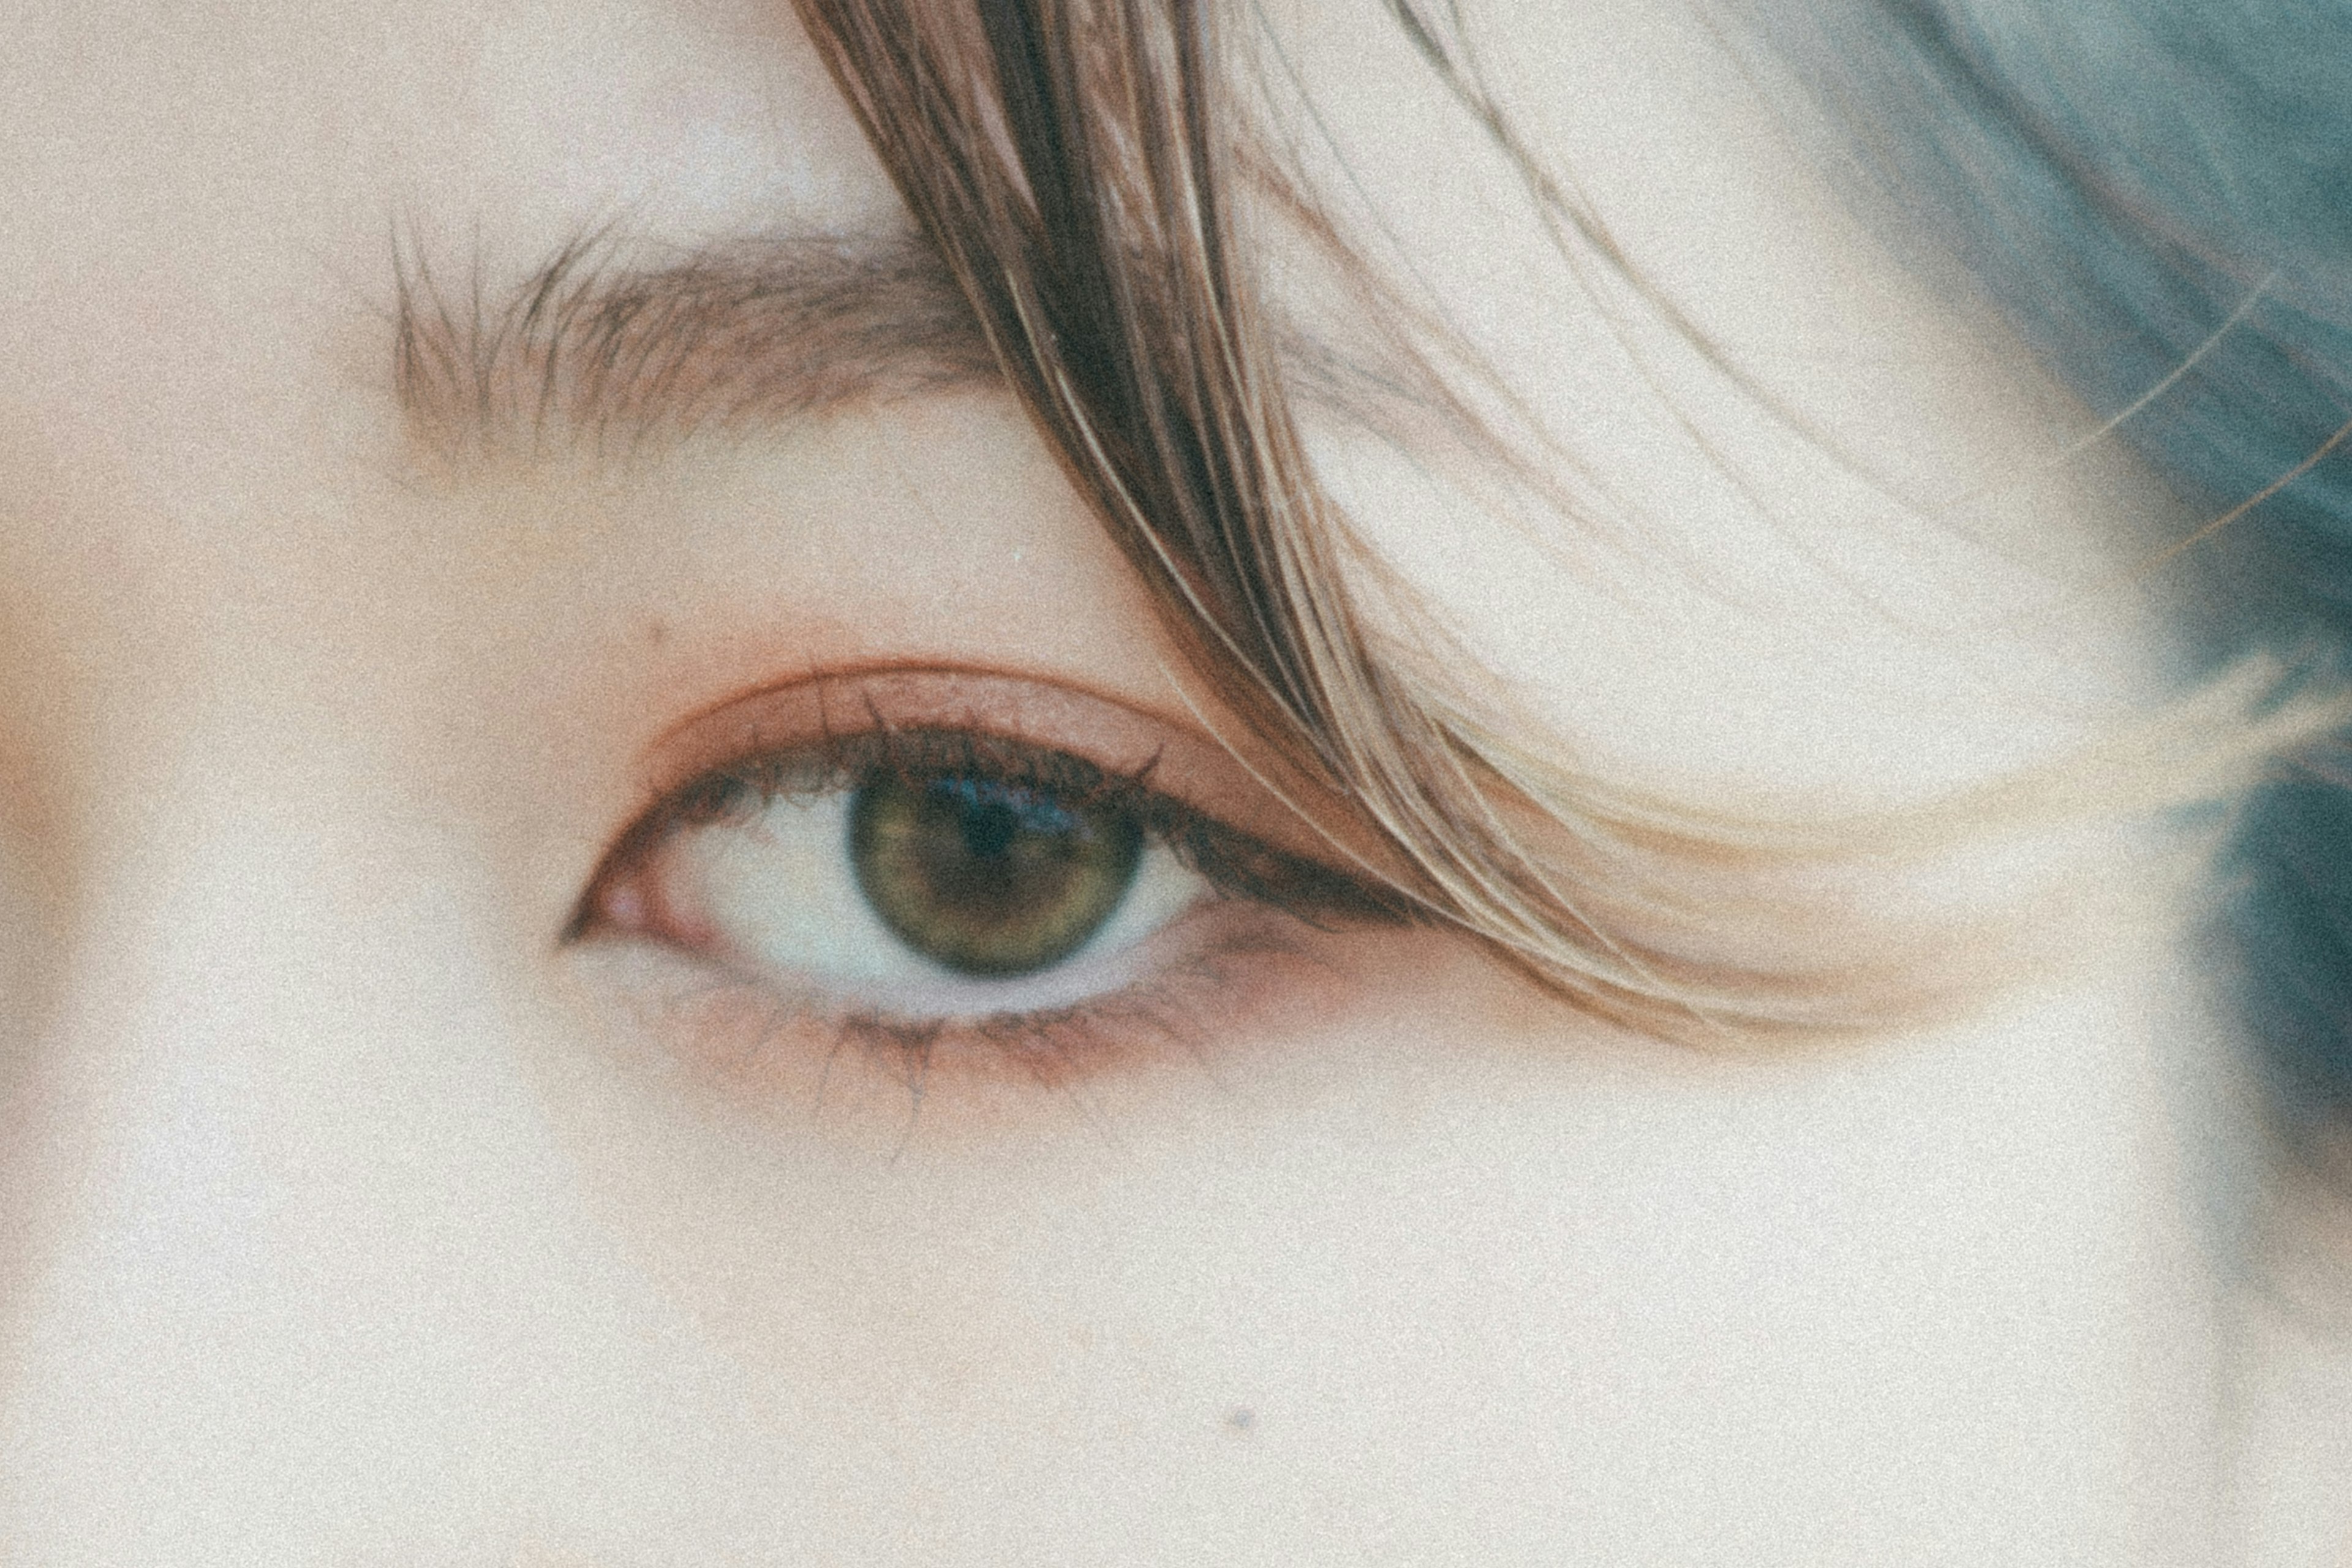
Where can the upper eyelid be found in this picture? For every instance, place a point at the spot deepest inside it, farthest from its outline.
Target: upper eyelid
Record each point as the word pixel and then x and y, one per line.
pixel 1211 806
pixel 840 693
pixel 1232 861
pixel 840 760
pixel 1185 765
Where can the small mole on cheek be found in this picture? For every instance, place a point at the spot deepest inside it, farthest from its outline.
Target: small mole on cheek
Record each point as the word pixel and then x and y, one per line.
pixel 1241 1420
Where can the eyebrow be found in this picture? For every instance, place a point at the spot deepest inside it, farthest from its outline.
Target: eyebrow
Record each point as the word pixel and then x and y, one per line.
pixel 727 337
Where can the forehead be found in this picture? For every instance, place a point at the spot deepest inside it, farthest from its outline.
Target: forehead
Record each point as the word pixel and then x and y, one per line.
pixel 213 169
pixel 1785 521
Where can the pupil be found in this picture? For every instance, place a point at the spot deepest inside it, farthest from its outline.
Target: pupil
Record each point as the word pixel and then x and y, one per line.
pixel 988 878
pixel 988 828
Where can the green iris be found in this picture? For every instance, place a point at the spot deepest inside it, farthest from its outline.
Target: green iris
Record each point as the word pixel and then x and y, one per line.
pixel 988 877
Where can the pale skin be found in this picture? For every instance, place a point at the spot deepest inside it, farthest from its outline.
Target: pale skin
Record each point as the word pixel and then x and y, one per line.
pixel 355 1217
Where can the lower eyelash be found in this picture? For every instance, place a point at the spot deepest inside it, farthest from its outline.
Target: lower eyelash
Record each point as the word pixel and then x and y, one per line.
pixel 746 1032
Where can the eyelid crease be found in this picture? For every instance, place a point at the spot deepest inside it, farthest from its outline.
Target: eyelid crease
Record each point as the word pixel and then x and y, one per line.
pixel 880 680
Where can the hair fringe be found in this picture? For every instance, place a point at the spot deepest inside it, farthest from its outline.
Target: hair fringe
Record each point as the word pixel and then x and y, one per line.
pixel 1076 164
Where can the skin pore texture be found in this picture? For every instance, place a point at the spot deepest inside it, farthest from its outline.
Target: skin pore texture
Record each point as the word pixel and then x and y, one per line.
pixel 355 1215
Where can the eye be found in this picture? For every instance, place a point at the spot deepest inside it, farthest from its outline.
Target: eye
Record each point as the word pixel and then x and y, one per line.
pixel 930 874
pixel 961 894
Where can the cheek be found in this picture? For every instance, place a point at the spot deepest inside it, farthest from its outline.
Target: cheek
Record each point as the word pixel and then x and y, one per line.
pixel 27 914
pixel 1455 1271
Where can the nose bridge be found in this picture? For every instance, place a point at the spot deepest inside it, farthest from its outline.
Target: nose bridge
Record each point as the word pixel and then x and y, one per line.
pixel 243 881
pixel 269 943
pixel 293 1266
pixel 251 1001
pixel 269 1180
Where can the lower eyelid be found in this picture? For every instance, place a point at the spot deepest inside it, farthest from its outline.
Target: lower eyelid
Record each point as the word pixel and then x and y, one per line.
pixel 1228 969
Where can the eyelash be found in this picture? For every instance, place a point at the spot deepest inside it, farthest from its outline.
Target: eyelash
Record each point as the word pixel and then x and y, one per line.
pixel 1265 896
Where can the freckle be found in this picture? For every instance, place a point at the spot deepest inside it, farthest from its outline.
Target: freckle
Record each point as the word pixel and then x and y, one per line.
pixel 657 632
pixel 1241 1420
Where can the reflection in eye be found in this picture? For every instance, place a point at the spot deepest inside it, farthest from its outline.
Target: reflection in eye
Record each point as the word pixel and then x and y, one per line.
pixel 941 886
